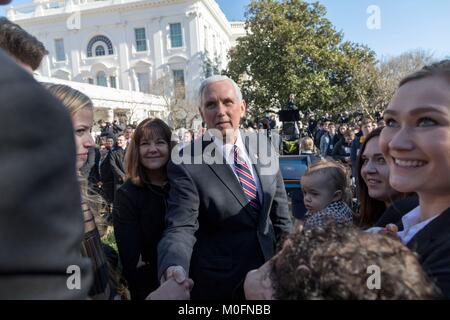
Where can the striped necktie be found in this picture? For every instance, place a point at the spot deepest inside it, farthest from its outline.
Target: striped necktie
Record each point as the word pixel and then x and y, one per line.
pixel 246 179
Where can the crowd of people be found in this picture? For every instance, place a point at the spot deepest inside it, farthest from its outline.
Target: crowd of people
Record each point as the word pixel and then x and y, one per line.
pixel 206 217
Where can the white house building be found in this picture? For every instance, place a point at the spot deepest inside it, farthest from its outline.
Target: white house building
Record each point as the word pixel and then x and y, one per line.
pixel 161 47
pixel 110 104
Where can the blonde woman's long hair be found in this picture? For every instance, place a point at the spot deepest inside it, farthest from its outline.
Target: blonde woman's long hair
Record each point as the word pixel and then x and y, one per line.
pixel 74 101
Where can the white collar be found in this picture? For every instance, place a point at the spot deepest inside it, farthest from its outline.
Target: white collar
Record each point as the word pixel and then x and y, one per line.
pixel 412 225
pixel 412 219
pixel 228 147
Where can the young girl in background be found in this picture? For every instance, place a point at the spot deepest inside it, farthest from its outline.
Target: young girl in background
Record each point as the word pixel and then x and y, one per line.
pixel 326 190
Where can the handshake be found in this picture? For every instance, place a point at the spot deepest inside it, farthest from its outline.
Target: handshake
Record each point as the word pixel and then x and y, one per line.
pixel 175 285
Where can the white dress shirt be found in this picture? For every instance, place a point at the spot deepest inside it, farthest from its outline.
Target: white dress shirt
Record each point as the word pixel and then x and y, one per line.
pixel 412 225
pixel 227 150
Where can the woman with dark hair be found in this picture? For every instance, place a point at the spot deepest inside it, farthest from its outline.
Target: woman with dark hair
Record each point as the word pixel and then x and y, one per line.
pixel 374 191
pixel 140 206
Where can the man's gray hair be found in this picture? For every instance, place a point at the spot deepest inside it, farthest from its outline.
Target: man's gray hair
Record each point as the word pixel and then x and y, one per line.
pixel 205 83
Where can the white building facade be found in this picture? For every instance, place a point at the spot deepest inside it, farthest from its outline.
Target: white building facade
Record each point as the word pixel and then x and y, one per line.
pixel 162 47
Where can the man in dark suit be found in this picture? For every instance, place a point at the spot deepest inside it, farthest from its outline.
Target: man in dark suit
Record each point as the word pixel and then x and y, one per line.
pixel 41 224
pixel 117 160
pixel 224 216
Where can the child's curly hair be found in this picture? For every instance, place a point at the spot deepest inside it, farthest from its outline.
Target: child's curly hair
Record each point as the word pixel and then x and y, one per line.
pixel 332 264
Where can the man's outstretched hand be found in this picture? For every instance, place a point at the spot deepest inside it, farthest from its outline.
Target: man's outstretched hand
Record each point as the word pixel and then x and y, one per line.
pixel 172 290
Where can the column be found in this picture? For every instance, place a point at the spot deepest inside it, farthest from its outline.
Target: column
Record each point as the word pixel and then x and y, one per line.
pixel 124 59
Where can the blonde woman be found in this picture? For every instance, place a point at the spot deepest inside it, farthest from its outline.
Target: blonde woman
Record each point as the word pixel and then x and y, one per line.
pixel 82 112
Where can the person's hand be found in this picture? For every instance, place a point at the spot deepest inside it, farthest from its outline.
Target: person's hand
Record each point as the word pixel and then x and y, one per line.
pixel 257 285
pixel 175 272
pixel 172 290
pixel 390 230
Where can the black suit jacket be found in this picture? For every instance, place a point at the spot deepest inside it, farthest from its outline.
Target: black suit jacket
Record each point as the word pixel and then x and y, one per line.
pixel 41 226
pixel 211 230
pixel 432 244
pixel 116 161
pixel 396 211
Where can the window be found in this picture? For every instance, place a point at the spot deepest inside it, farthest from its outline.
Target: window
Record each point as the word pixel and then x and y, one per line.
pixel 143 82
pixel 103 39
pixel 113 82
pixel 141 39
pixel 176 36
pixel 99 51
pixel 178 80
pixel 59 49
pixel 101 79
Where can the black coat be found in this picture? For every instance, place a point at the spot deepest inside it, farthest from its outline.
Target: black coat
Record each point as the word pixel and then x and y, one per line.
pixel 139 214
pixel 211 229
pixel 116 161
pixel 341 151
pixel 397 210
pixel 432 244
pixel 41 226
pixel 107 178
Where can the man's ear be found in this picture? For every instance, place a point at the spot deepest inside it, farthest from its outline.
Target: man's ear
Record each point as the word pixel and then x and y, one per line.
pixel 337 196
pixel 201 113
pixel 243 108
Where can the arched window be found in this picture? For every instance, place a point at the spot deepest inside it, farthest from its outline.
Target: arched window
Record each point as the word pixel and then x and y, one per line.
pixel 99 51
pixel 101 79
pixel 105 40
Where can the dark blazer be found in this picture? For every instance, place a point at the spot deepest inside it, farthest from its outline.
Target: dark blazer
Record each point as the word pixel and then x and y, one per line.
pixel 41 225
pixel 107 178
pixel 339 153
pixel 396 211
pixel 138 216
pixel 211 230
pixel 432 244
pixel 116 161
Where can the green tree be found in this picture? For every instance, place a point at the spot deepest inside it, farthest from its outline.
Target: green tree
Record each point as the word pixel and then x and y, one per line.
pixel 291 47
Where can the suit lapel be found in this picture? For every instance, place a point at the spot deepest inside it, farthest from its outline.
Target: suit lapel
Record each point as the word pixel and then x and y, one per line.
pixel 226 175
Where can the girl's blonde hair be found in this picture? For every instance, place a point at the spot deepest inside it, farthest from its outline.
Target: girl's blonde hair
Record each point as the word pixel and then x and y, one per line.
pixel 75 101
pixel 338 177
pixel 72 99
pixel 307 144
